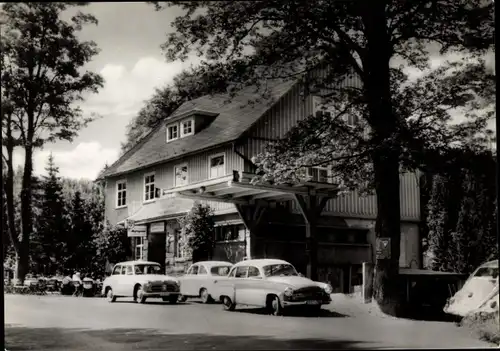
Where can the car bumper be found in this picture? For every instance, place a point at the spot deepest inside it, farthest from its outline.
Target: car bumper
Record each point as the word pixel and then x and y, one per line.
pixel 306 303
pixel 161 294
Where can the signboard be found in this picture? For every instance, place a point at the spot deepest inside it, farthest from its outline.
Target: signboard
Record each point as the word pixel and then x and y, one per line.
pixel 158 227
pixel 137 231
pixel 383 248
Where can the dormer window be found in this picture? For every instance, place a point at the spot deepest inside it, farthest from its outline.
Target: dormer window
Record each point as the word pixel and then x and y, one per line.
pixel 172 132
pixel 187 127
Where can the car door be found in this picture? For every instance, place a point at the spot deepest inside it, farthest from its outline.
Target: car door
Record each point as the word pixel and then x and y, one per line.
pixel 189 280
pixel 240 285
pixel 120 286
pixel 201 279
pixel 254 291
pixel 112 279
pixel 129 281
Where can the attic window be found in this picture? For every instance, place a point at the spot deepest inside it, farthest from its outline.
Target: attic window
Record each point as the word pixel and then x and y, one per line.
pixel 172 132
pixel 187 127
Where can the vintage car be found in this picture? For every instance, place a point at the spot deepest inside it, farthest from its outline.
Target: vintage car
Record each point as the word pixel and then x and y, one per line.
pixel 199 279
pixel 479 293
pixel 272 284
pixel 140 280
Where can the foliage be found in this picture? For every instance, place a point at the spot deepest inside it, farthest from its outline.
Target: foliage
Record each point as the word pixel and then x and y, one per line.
pixel 49 240
pixel 186 86
pixel 80 241
pixel 462 215
pixel 112 245
pixel 42 83
pixel 198 227
pixel 371 41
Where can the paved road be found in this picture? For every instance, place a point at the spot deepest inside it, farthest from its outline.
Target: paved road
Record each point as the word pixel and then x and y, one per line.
pixel 67 323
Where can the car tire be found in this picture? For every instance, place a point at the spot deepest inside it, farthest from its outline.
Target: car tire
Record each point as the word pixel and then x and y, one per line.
pixel 205 296
pixel 314 311
pixel 274 306
pixel 228 304
pixel 110 296
pixel 182 298
pixel 139 294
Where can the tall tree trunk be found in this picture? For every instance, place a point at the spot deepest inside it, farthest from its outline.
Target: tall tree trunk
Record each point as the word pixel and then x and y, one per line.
pixel 385 158
pixel 22 265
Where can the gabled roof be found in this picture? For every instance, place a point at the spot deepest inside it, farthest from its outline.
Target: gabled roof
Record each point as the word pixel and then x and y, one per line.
pixel 234 118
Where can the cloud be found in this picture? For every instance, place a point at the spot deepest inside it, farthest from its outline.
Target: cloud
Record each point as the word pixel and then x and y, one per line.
pixel 85 160
pixel 125 90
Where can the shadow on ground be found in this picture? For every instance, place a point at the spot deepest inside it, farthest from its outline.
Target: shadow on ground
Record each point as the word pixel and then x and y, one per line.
pixel 21 338
pixel 295 313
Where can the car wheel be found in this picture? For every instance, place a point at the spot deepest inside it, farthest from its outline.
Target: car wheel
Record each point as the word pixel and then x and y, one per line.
pixel 228 304
pixel 182 298
pixel 139 295
pixel 315 310
pixel 110 296
pixel 274 306
pixel 205 296
pixel 172 299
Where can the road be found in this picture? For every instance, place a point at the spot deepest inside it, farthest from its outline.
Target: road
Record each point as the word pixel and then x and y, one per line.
pixel 68 323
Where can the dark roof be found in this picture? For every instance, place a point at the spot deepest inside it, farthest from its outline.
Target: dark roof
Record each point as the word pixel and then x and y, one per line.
pixel 235 117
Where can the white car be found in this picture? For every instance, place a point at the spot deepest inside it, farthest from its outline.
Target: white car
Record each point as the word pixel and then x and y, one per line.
pixel 479 293
pixel 272 284
pixel 199 279
pixel 140 280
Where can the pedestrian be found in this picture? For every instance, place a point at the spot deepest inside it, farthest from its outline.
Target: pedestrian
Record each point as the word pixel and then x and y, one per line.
pixel 77 281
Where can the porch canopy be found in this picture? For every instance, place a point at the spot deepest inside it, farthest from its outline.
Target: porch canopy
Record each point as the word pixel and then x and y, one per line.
pixel 251 199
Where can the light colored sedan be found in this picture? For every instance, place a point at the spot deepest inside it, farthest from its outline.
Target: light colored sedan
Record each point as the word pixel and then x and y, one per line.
pixel 199 279
pixel 140 280
pixel 272 284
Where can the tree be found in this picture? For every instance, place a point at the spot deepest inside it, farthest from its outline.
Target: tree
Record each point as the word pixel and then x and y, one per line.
pixel 284 39
pixel 43 82
pixel 52 228
pixel 198 228
pixel 112 245
pixel 80 241
pixel 188 85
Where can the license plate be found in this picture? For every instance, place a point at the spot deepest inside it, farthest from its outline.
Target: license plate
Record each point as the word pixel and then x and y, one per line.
pixel 312 302
pixel 164 294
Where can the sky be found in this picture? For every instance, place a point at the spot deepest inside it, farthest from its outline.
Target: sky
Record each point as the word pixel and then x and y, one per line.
pixel 131 62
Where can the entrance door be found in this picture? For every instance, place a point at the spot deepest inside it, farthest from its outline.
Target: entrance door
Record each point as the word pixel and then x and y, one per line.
pixel 157 248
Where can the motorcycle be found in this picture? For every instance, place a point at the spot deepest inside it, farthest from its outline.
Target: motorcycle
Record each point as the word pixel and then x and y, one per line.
pixel 88 287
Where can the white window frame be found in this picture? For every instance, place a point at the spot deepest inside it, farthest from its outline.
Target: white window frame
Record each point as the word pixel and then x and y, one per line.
pixel 118 182
pixel 144 187
pixel 168 129
pixel 223 154
pixel 328 172
pixel 139 245
pixel 175 174
pixel 181 127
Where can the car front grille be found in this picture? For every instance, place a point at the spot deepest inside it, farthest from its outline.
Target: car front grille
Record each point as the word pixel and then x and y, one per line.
pixel 308 293
pixel 169 287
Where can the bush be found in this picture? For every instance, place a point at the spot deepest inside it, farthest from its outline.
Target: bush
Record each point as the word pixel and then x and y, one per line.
pixel 485 325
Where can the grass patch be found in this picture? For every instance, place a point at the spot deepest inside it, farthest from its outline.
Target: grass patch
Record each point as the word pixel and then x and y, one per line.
pixel 485 325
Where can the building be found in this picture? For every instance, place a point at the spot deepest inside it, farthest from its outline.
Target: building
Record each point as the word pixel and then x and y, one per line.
pixel 203 152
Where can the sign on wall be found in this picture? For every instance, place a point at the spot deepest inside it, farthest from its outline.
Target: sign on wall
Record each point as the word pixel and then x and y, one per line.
pixel 137 231
pixel 158 227
pixel 383 248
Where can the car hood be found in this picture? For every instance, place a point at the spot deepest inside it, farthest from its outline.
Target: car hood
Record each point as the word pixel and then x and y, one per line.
pixel 295 281
pixel 475 293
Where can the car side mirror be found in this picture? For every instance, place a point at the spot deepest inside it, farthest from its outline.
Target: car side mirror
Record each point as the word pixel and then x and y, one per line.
pixel 108 274
pixel 301 275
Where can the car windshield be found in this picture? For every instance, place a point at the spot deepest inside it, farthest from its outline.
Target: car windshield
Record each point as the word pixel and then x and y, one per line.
pixel 147 269
pixel 491 272
pixel 220 270
pixel 276 270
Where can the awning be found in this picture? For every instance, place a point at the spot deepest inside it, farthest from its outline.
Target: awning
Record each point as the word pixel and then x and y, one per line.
pixel 239 189
pixel 162 208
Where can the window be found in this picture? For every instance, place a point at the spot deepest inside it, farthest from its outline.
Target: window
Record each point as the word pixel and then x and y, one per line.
pixel 319 174
pixel 181 175
pixel 124 270
pixel 217 166
pixel 253 272
pixel 187 128
pixel 139 248
pixel 220 270
pixel 202 270
pixel 121 193
pixel 490 272
pixel 241 272
pixel 129 270
pixel 230 232
pixel 193 270
pixel 117 270
pixel 172 132
pixel 149 187
pixel 233 272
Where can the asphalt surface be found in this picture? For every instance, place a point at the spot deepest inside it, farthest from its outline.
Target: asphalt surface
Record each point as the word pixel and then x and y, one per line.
pixel 69 323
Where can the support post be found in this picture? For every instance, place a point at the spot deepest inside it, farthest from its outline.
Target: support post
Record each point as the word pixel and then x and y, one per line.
pixel 251 215
pixel 311 207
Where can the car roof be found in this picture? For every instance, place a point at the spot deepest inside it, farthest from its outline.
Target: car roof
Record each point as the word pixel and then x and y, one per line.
pixel 136 262
pixel 490 264
pixel 260 262
pixel 214 263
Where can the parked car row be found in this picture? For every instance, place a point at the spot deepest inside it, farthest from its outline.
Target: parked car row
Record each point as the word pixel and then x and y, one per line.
pixel 269 283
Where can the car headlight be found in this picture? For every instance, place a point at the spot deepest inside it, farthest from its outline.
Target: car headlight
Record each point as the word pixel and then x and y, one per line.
pixel 328 289
pixel 288 292
pixel 147 286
